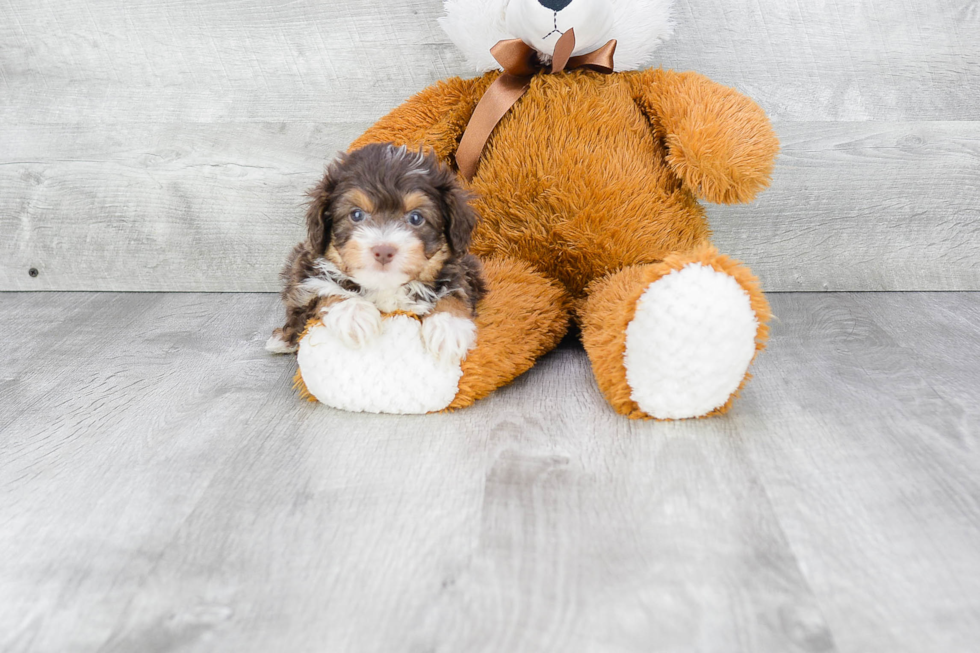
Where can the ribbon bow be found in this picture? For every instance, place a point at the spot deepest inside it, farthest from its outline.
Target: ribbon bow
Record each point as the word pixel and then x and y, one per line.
pixel 520 64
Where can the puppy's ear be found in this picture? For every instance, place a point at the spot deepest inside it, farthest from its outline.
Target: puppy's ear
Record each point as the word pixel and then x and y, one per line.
pixel 319 220
pixel 460 217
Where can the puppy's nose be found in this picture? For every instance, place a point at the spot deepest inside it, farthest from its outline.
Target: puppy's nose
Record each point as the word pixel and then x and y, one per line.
pixel 555 5
pixel 384 253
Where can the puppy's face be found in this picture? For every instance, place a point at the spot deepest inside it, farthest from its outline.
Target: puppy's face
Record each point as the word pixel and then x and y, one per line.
pixel 386 216
pixel 385 240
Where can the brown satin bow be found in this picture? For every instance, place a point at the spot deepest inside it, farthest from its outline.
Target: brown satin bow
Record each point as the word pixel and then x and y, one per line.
pixel 520 64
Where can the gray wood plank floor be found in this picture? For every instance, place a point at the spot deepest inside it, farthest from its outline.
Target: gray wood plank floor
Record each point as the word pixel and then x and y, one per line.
pixel 163 489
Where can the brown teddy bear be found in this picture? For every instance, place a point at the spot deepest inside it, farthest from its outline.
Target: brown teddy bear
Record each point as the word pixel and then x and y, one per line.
pixel 588 173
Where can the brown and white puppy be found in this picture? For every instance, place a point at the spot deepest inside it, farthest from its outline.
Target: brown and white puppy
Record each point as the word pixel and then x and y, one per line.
pixel 388 230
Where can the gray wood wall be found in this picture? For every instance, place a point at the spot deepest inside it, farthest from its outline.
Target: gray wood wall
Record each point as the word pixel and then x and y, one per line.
pixel 166 145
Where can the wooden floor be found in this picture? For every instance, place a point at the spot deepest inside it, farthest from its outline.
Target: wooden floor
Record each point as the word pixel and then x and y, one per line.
pixel 163 489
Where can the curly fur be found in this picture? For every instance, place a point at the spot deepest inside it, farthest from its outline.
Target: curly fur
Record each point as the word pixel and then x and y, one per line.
pixel 435 272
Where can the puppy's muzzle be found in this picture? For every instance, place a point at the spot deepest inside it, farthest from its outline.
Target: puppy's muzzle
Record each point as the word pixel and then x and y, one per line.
pixel 384 254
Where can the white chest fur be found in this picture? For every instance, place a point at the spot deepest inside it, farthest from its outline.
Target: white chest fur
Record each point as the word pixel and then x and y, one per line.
pixel 412 297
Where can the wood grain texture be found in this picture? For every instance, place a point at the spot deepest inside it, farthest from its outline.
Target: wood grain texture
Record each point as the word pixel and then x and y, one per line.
pixel 864 206
pixel 165 146
pixel 348 60
pixel 874 471
pixel 164 489
pixel 854 206
pixel 165 207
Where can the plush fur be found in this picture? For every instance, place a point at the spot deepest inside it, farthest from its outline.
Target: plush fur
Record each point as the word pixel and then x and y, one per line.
pixel 639 27
pixel 589 192
pixel 387 231
pixel 607 314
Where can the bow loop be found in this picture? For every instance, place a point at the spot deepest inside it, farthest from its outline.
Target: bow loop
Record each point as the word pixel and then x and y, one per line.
pixel 516 57
pixel 600 60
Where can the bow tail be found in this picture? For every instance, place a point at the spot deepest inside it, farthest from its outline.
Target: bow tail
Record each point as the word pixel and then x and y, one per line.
pixel 505 91
pixel 520 64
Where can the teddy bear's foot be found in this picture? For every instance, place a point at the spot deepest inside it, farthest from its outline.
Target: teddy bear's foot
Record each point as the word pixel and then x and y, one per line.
pixel 674 340
pixel 690 343
pixel 393 373
pixel 413 366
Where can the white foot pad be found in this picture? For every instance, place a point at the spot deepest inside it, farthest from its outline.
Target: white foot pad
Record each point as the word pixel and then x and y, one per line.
pixel 690 343
pixel 393 373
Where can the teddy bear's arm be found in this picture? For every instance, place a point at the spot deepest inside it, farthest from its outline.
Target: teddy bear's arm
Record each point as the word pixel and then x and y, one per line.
pixel 435 117
pixel 719 142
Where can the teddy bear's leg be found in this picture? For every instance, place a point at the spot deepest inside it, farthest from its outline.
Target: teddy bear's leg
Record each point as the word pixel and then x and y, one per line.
pixel 674 339
pixel 523 316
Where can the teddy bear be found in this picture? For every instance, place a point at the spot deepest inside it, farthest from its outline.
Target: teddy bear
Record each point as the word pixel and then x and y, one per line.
pixel 587 171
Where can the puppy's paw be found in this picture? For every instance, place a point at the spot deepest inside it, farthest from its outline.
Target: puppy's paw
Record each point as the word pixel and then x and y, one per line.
pixel 448 337
pixel 355 321
pixel 278 344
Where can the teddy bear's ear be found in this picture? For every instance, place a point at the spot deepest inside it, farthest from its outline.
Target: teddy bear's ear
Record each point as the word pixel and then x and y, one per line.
pixel 475 26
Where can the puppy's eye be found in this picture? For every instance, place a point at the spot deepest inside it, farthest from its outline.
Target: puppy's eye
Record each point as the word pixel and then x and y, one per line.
pixel 415 218
pixel 357 215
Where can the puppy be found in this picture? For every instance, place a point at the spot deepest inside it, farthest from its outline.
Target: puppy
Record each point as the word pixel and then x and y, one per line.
pixel 388 230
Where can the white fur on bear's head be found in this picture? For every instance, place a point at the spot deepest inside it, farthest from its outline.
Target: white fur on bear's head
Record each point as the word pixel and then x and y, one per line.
pixel 639 27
